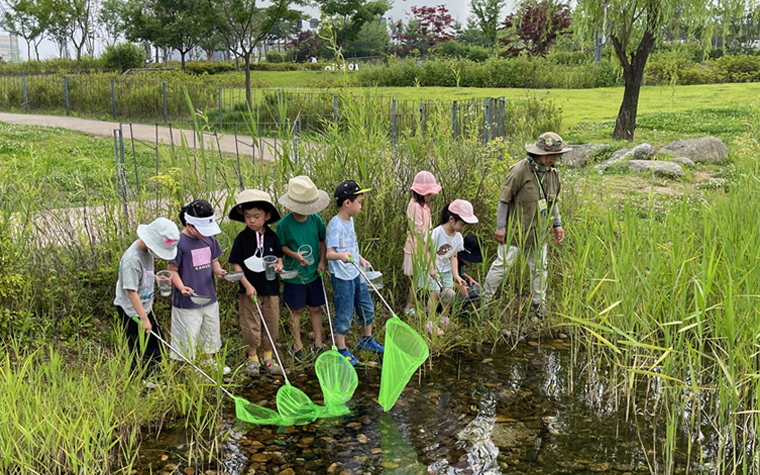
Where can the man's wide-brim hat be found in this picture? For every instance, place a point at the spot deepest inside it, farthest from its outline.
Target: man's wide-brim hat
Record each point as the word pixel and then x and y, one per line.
pixel 247 199
pixel 303 197
pixel 548 143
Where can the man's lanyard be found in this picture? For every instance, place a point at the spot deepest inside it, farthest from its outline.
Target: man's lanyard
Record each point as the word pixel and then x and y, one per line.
pixel 542 202
pixel 540 185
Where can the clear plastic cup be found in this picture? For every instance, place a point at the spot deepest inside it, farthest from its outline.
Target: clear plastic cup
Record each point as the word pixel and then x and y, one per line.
pixel 306 253
pixel 269 263
pixel 164 279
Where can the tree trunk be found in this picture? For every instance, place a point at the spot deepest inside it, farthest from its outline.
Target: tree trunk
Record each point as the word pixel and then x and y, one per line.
pixel 633 75
pixel 182 58
pixel 28 50
pixel 625 124
pixel 247 57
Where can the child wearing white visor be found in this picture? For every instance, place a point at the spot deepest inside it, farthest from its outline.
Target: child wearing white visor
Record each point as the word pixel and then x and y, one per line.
pixel 195 309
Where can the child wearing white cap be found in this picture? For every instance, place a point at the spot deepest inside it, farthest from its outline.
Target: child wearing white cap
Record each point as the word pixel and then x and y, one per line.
pixel 446 241
pixel 136 285
pixel 193 271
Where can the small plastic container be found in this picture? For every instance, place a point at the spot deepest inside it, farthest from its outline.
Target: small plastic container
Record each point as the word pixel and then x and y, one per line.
pixel 307 253
pixel 164 279
pixel 269 263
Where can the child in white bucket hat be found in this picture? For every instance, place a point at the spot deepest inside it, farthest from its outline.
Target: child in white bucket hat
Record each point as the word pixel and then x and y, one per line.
pixel 193 270
pixel 302 235
pixel 136 285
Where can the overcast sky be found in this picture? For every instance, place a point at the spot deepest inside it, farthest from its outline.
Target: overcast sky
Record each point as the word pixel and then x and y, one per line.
pixel 459 9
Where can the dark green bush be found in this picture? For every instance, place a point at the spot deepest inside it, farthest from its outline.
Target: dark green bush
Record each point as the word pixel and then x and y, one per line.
pixel 275 57
pixel 123 56
pixel 452 49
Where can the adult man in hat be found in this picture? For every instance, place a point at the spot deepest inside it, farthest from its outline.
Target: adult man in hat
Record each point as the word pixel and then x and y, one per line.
pixel 527 213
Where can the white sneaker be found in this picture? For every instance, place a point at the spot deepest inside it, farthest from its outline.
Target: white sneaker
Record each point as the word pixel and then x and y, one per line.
pixel 210 363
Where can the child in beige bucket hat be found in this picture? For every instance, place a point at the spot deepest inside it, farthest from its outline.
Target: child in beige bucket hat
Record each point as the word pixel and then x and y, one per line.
pixel 257 241
pixel 302 235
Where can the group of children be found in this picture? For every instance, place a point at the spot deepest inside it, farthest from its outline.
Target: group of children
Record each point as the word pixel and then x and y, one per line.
pixel 301 249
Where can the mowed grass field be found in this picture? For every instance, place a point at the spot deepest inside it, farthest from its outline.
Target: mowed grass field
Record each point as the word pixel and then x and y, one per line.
pixel 579 105
pixel 665 113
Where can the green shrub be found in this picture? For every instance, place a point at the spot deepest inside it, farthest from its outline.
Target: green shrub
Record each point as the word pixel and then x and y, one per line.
pixel 123 56
pixel 738 68
pixel 275 57
pixel 519 72
pixel 452 49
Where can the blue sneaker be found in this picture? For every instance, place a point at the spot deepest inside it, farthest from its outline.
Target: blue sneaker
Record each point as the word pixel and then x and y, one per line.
pixel 351 358
pixel 368 343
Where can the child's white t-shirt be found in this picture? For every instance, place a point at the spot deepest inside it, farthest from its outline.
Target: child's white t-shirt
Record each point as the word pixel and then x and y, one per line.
pixel 445 246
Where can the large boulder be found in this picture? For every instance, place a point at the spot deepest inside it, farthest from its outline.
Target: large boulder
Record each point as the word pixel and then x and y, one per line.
pixel 581 155
pixel 643 151
pixel 705 149
pixel 660 169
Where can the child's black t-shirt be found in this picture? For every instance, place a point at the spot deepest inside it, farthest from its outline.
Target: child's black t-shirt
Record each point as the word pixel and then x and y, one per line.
pixel 245 246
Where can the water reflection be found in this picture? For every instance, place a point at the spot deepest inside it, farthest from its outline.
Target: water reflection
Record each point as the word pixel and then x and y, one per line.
pixel 501 413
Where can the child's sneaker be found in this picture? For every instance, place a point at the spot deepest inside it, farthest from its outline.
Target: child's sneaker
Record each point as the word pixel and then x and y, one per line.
pixel 316 350
pixel 369 344
pixel 351 358
pixel 409 311
pixel 210 363
pixel 444 322
pixel 298 355
pixel 252 367
pixel 272 367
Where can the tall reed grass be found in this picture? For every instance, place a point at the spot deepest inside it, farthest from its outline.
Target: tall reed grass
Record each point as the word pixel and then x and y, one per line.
pixel 666 292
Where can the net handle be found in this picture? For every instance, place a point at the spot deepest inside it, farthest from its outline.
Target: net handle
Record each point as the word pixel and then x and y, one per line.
pixel 369 282
pixel 327 307
pixel 274 348
pixel 184 358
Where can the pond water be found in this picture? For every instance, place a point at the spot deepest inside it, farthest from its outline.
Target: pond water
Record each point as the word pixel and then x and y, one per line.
pixel 510 411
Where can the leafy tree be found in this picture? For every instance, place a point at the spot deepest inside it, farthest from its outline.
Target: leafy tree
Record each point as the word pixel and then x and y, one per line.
pixel 347 17
pixel 471 34
pixel 182 24
pixel 243 24
pixel 534 28
pixel 635 26
pixel 24 18
pixel 428 27
pixel 112 20
pixel 373 40
pixel 308 44
pixel 487 14
pixel 60 24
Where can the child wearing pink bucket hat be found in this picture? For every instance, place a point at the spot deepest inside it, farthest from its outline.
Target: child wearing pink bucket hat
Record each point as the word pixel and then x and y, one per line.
pixel 417 260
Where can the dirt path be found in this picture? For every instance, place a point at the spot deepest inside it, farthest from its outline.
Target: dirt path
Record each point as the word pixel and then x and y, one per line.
pixel 241 144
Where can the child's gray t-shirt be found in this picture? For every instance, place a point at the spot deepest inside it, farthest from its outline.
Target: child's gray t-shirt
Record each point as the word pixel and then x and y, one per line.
pixel 135 273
